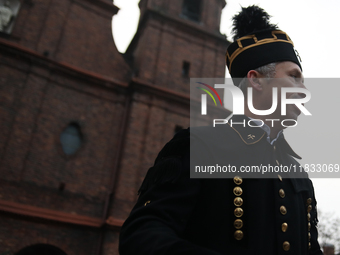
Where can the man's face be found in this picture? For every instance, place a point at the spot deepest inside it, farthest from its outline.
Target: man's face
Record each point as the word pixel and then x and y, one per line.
pixel 288 75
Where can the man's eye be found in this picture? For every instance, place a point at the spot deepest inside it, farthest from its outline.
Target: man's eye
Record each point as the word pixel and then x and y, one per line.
pixel 296 78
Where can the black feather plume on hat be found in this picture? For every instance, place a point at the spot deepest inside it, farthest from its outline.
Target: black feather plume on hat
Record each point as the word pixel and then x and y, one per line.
pixel 250 20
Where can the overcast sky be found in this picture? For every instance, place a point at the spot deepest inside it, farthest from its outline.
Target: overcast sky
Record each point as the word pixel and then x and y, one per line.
pixel 313 26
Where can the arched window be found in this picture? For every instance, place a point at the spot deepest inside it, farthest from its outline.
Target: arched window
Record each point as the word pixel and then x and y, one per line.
pixel 41 249
pixel 71 139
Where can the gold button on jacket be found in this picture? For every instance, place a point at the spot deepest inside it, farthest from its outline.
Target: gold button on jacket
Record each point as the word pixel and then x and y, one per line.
pixel 309 201
pixel 283 210
pixel 238 234
pixel 238 201
pixel 286 246
pixel 282 193
pixel 238 191
pixel 309 208
pixel 238 224
pixel 238 212
pixel 238 180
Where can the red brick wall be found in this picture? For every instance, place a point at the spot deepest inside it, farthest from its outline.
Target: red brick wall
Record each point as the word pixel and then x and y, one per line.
pixel 75 32
pixel 152 123
pixel 162 48
pixel 33 163
pixel 210 11
pixel 125 120
pixel 17 234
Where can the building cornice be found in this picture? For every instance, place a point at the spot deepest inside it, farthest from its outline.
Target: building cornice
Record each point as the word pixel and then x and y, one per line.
pixel 53 215
pixel 106 5
pixel 34 57
pixel 139 85
pixel 185 24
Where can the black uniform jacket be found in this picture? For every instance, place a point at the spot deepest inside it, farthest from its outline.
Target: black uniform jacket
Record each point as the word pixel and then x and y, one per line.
pixel 176 214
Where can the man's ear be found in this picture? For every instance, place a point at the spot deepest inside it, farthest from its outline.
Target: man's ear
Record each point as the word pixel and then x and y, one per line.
pixel 254 79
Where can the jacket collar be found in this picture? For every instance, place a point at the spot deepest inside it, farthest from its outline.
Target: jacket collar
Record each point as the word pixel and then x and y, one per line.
pixel 249 135
pixel 252 135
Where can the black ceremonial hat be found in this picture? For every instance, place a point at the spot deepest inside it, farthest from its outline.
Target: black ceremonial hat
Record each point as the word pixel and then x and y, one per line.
pixel 256 43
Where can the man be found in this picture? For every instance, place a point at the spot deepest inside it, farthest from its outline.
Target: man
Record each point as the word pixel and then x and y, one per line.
pixel 176 214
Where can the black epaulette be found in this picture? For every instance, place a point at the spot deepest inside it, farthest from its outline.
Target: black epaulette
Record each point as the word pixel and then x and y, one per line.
pixel 168 164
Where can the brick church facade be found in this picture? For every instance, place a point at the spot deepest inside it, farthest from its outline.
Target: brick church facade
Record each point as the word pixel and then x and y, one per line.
pixel 81 123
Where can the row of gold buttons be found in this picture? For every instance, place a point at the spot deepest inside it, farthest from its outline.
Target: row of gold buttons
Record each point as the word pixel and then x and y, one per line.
pixel 309 209
pixel 283 211
pixel 238 212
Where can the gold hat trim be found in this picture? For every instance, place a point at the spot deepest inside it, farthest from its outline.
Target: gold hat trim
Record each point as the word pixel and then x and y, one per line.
pixel 257 43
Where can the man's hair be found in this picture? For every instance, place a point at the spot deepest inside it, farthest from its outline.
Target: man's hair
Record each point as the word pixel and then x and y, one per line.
pixel 267 70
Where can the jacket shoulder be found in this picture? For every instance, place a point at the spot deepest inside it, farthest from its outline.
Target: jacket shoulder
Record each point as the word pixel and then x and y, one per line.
pixel 169 164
